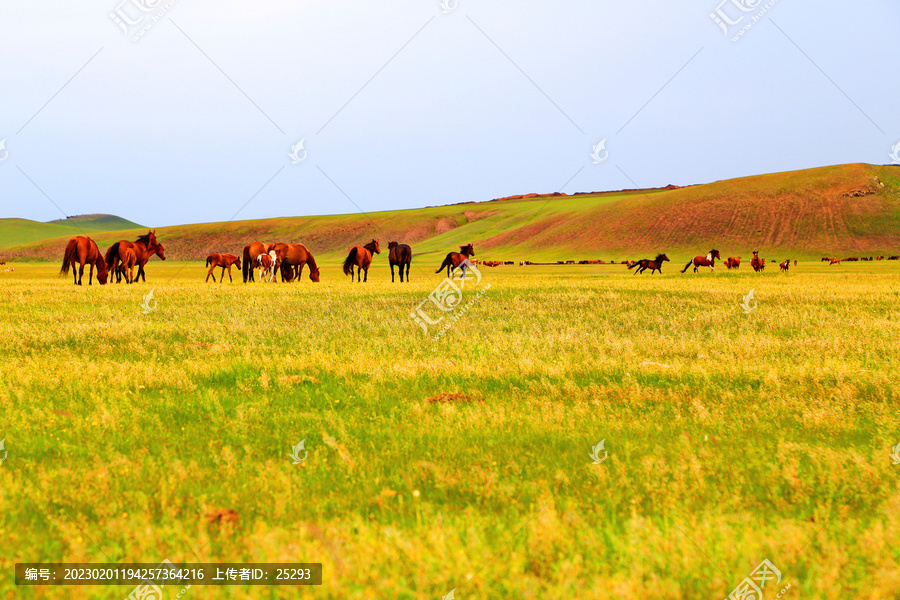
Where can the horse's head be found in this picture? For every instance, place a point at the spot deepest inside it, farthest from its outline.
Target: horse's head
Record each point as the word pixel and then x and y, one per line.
pixel 714 254
pixel 392 245
pixel 102 271
pixel 468 250
pixel 237 263
pixel 151 237
pixel 756 253
pixel 661 258
pixel 374 247
pixel 160 251
pixel 314 274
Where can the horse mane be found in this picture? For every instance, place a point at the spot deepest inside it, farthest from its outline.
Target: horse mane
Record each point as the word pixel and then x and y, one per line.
pixel 659 257
pixel 143 238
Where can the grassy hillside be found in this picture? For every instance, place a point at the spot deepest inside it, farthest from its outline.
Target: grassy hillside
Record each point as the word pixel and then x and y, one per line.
pixel 14 232
pixel 839 210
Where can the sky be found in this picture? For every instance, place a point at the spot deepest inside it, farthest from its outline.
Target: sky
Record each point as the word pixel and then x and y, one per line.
pixel 167 112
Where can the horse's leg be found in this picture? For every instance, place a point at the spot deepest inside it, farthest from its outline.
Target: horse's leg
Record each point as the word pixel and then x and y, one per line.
pixel 91 274
pixel 392 273
pixel 230 280
pixel 366 278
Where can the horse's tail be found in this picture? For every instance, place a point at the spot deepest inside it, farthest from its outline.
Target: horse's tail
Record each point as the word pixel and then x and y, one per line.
pixel 447 262
pixel 687 266
pixel 349 261
pixel 71 249
pixel 406 255
pixel 207 260
pixel 111 253
pixel 245 266
pixel 636 264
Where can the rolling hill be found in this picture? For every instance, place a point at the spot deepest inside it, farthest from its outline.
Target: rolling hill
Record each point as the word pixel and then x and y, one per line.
pixel 22 231
pixel 836 210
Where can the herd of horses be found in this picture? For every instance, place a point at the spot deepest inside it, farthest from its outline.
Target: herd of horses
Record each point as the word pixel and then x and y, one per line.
pixel 732 262
pixel 271 259
pixel 289 260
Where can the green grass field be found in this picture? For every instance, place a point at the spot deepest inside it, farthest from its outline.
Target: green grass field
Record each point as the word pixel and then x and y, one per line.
pixel 732 437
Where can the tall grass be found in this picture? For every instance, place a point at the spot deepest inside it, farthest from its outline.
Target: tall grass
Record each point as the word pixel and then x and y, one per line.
pixel 732 437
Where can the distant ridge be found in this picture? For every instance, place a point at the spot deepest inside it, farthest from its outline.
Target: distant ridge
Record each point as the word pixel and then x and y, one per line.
pixel 14 232
pixel 841 210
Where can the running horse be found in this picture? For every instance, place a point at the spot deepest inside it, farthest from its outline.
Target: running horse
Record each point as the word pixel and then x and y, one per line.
pixel 144 248
pixel 295 255
pixel 83 251
pixel 455 259
pixel 703 261
pixel 224 261
pixel 757 263
pixel 646 263
pixel 400 254
pixel 361 257
pixel 251 253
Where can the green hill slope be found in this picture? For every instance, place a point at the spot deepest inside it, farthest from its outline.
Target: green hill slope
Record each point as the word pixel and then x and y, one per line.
pixel 838 210
pixel 14 232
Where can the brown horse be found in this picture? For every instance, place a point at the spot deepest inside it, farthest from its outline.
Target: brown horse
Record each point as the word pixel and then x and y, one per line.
pixel 455 259
pixel 785 265
pixel 401 255
pixel 361 257
pixel 251 252
pixel 224 261
pixel 757 263
pixel 144 249
pixel 83 250
pixel 733 262
pixel 703 261
pixel 646 263
pixel 834 261
pixel 295 255
pixel 129 259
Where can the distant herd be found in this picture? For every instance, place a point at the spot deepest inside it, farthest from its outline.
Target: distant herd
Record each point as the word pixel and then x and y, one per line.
pixel 289 260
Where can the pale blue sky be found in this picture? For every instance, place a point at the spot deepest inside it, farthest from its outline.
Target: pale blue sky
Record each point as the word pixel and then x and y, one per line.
pixel 402 105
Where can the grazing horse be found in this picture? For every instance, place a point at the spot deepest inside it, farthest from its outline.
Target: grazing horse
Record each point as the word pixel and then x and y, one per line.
pixel 834 261
pixel 295 255
pixel 83 250
pixel 757 263
pixel 267 264
pixel 703 261
pixel 455 259
pixel 144 249
pixel 785 265
pixel 361 258
pixel 251 252
pixel 129 259
pixel 654 265
pixel 224 261
pixel 400 254
pixel 733 262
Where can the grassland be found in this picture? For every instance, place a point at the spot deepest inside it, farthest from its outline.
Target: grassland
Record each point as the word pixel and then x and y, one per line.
pixel 731 437
pixel 14 232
